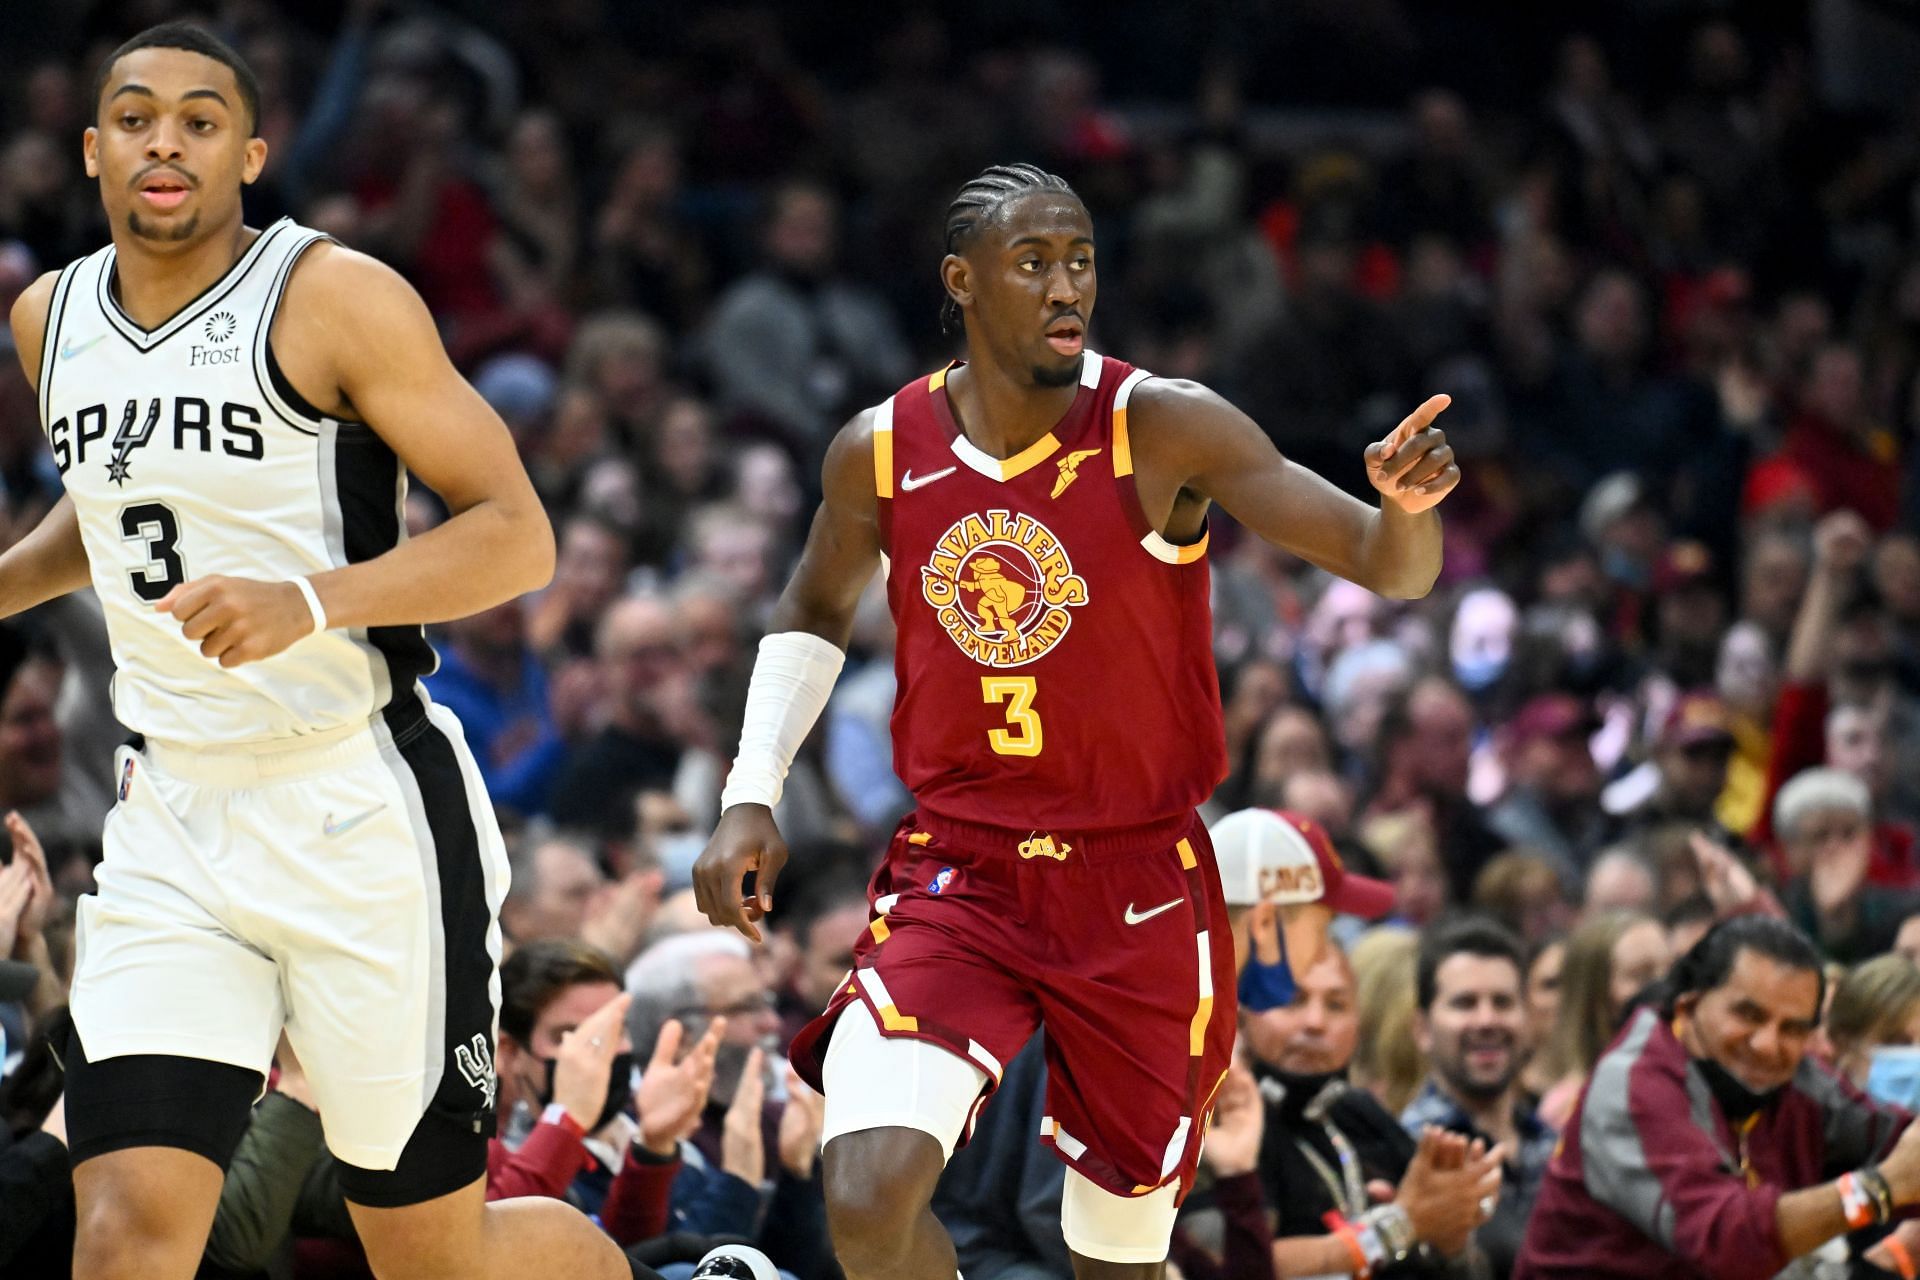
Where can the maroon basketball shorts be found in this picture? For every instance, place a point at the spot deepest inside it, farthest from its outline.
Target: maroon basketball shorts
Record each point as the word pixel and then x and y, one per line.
pixel 1116 941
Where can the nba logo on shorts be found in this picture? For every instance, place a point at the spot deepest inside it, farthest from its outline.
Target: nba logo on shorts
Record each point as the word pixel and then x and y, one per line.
pixel 126 780
pixel 941 881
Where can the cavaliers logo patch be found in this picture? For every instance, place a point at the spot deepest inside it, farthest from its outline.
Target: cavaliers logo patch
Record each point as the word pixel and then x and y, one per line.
pixel 1001 585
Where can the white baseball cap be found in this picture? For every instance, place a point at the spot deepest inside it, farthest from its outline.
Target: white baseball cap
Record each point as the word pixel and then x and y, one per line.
pixel 1270 855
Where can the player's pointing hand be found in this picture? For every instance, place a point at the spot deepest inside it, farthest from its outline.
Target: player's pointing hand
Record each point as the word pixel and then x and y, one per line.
pixel 746 840
pixel 1413 468
pixel 238 620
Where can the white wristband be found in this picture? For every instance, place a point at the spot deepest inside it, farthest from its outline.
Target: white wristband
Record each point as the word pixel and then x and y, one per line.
pixel 792 677
pixel 313 604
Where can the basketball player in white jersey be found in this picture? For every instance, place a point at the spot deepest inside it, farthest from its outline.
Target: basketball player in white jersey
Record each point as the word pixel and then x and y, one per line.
pixel 302 840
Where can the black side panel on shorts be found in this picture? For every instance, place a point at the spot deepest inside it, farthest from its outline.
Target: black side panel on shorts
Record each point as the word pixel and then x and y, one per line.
pixel 367 477
pixel 156 1100
pixel 449 1148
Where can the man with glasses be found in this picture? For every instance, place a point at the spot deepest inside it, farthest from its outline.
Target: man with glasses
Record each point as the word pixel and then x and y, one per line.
pixel 751 1165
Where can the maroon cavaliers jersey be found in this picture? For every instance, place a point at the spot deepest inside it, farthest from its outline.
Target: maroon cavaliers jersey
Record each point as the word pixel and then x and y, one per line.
pixel 1055 653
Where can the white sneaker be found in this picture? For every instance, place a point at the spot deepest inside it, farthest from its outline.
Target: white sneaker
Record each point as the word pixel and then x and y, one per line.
pixel 736 1262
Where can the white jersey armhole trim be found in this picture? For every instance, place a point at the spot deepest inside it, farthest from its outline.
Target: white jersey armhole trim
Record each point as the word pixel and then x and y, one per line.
pixel 1154 542
pixel 270 309
pixel 56 312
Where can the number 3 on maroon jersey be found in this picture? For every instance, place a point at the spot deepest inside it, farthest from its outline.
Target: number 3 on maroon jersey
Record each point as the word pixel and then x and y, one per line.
pixel 1017 692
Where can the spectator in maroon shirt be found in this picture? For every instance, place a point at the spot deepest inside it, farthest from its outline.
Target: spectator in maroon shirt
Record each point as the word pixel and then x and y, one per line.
pixel 564 1071
pixel 1705 1144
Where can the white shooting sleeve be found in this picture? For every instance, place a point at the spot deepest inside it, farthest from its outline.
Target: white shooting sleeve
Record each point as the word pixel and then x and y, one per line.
pixel 792 677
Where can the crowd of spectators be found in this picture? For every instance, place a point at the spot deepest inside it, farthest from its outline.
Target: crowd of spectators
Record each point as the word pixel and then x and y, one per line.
pixel 1671 670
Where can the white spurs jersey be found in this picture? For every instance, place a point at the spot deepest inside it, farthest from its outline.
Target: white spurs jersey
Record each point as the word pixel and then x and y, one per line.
pixel 187 453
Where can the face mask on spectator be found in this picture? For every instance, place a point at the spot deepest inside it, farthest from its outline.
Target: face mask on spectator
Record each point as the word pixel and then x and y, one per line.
pixel 1478 671
pixel 1894 1075
pixel 677 853
pixel 1266 986
pixel 619 1088
pixel 1304 1097
pixel 1735 1098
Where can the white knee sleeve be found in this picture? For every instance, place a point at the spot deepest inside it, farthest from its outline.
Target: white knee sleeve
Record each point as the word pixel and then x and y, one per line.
pixel 873 1082
pixel 1101 1225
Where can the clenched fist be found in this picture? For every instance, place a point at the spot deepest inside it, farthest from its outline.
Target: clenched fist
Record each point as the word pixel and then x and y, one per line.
pixel 239 620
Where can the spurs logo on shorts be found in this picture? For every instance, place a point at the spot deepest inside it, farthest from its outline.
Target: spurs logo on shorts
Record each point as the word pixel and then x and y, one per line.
pixel 475 1060
pixel 1001 585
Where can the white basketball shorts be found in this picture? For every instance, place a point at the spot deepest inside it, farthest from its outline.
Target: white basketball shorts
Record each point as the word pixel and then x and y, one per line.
pixel 345 888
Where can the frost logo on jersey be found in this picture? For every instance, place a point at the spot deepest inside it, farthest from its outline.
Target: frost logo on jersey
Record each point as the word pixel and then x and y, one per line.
pixel 1001 585
pixel 126 439
pixel 475 1060
pixel 220 326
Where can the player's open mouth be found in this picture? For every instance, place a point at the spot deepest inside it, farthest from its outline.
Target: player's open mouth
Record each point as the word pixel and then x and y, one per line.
pixel 1066 337
pixel 163 192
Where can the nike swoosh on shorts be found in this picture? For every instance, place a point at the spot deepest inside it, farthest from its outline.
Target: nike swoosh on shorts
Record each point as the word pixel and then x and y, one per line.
pixel 331 828
pixel 1133 917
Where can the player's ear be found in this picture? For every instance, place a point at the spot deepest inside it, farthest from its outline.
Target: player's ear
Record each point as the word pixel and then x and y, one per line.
pixel 955 278
pixel 255 161
pixel 90 151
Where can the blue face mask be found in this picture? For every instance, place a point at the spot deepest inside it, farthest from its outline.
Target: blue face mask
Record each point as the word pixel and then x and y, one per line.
pixel 1479 672
pixel 1895 1075
pixel 1267 986
pixel 677 852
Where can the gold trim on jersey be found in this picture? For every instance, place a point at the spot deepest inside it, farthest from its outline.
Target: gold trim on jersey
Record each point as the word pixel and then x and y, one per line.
pixel 883 450
pixel 1122 442
pixel 1004 469
pixel 1172 552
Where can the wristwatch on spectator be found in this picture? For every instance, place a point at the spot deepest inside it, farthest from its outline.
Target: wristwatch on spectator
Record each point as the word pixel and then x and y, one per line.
pixel 1391 1226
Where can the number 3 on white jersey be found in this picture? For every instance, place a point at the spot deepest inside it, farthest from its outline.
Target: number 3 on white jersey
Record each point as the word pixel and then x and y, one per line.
pixel 1017 692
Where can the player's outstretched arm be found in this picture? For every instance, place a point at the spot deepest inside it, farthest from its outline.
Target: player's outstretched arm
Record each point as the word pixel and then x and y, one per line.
pixel 50 561
pixel 792 676
pixel 356 318
pixel 1187 432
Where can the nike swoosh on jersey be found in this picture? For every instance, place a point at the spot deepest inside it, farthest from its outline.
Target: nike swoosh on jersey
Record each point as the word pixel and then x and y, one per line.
pixel 332 828
pixel 68 351
pixel 909 482
pixel 1135 917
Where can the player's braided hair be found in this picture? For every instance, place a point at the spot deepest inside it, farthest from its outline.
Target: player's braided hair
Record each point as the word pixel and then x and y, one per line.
pixel 978 202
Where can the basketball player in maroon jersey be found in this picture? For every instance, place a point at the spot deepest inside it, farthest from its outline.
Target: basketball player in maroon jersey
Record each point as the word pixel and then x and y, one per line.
pixel 1042 514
